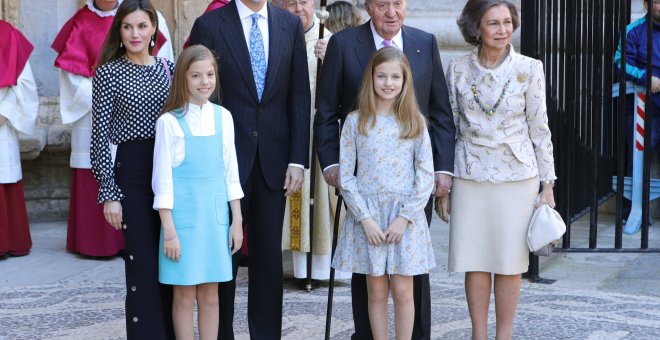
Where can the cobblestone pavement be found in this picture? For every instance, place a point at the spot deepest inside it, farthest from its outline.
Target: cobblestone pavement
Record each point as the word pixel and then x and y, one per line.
pixel 78 310
pixel 54 295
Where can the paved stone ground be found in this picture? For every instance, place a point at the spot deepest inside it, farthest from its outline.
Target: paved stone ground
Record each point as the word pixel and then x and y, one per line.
pixel 51 294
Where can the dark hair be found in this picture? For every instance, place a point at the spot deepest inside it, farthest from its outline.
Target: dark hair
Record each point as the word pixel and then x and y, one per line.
pixel 111 47
pixel 178 97
pixel 343 14
pixel 474 11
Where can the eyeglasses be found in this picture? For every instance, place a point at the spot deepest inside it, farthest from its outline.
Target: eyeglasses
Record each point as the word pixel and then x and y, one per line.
pixel 383 6
pixel 294 4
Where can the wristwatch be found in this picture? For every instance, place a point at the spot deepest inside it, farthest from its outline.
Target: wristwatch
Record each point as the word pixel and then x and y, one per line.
pixel 551 183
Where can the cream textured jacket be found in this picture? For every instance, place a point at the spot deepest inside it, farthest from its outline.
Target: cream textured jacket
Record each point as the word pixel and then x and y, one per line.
pixel 512 144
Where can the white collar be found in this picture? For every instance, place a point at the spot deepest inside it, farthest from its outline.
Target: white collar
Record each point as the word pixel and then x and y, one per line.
pixel 194 108
pixel 397 40
pixel 90 6
pixel 244 12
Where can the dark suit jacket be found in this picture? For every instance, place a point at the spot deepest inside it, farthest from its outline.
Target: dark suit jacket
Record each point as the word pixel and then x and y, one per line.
pixel 278 125
pixel 346 59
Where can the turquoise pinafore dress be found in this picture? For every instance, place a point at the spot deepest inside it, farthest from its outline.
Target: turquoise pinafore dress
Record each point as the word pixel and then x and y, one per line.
pixel 200 212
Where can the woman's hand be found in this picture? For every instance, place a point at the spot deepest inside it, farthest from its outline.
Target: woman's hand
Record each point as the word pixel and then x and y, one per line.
pixel 171 245
pixel 375 236
pixel 113 214
pixel 395 230
pixel 547 196
pixel 235 237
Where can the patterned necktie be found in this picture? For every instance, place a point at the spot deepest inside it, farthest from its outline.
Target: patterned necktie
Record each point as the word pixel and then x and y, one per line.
pixel 257 56
pixel 387 43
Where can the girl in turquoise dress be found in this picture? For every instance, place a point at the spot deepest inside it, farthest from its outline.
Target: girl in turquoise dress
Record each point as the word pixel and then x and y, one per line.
pixel 195 175
pixel 386 179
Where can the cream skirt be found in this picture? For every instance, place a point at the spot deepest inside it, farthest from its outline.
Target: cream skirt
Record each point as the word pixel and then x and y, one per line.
pixel 488 226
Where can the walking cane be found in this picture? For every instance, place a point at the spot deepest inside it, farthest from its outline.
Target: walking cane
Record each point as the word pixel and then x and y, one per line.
pixel 331 289
pixel 322 14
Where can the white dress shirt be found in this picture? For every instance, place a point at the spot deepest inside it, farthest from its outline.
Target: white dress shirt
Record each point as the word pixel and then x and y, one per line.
pixel 397 40
pixel 246 20
pixel 170 151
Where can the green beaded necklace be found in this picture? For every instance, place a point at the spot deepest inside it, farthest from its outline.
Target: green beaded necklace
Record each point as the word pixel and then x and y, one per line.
pixel 489 111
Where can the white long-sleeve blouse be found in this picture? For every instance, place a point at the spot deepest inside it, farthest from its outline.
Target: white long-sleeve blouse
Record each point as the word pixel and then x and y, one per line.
pixel 170 151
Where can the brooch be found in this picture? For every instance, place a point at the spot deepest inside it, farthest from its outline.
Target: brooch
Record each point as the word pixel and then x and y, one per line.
pixel 521 77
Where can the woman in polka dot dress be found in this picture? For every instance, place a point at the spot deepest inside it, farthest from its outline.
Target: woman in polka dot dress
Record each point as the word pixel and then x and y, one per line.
pixel 129 89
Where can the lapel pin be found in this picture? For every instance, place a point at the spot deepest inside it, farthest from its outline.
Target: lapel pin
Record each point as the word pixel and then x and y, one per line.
pixel 418 51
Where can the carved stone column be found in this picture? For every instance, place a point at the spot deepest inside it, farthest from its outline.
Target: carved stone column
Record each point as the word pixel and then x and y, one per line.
pixel 9 11
pixel 185 13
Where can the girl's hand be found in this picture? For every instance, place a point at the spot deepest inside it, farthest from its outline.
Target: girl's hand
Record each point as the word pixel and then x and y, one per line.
pixel 547 196
pixel 171 246
pixel 395 230
pixel 235 237
pixel 375 236
pixel 113 214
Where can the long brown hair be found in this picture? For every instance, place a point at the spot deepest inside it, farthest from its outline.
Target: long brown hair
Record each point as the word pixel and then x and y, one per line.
pixel 407 113
pixel 179 97
pixel 112 49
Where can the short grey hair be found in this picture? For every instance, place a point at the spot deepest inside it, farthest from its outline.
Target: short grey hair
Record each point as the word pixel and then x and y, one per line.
pixel 474 11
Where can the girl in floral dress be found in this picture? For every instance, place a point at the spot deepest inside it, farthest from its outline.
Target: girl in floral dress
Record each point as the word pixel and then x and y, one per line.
pixel 386 178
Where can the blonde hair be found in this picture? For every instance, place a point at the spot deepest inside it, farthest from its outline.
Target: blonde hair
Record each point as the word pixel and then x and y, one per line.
pixel 343 15
pixel 407 112
pixel 179 97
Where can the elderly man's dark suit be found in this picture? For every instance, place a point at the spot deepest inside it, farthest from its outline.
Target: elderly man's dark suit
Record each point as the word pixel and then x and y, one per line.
pixel 270 134
pixel 346 59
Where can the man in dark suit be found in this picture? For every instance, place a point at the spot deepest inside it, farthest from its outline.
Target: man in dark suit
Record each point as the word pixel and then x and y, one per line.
pixel 262 66
pixel 346 58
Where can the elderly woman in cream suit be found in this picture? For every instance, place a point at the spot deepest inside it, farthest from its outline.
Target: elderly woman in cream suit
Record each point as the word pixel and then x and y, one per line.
pixel 503 157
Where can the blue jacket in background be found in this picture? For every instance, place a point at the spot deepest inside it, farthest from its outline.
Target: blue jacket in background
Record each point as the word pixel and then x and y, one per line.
pixel 636 34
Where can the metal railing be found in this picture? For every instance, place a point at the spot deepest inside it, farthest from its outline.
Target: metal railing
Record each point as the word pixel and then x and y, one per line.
pixel 576 40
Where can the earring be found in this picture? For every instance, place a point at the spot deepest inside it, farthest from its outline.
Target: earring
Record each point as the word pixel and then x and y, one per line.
pixel 121 44
pixel 478 39
pixel 152 43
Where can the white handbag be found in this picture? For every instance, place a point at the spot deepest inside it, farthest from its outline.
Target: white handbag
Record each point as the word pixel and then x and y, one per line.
pixel 545 230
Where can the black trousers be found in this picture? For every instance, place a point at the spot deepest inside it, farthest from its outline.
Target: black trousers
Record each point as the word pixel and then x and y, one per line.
pixel 148 303
pixel 421 295
pixel 263 212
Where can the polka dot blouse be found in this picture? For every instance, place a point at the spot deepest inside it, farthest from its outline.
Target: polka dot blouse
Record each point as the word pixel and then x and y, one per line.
pixel 126 101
